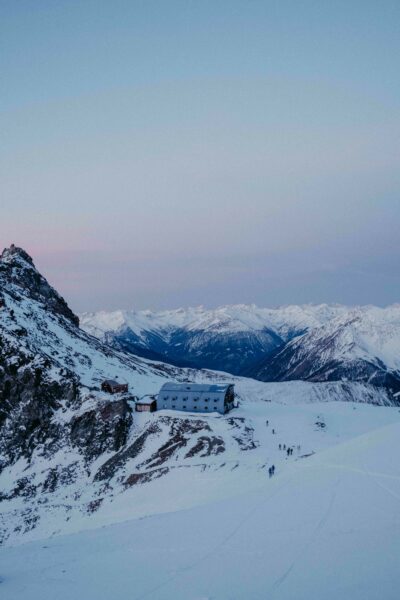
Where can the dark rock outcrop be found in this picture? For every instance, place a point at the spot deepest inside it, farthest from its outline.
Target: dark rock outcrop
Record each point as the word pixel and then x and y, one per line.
pixel 105 428
pixel 17 268
pixel 29 399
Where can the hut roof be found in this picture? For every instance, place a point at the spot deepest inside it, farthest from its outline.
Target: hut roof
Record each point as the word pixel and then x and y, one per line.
pixel 112 382
pixel 147 400
pixel 215 388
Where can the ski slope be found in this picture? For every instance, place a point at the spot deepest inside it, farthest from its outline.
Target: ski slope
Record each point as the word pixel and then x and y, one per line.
pixel 325 526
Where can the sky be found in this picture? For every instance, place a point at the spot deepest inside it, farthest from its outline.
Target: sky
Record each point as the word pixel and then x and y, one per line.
pixel 157 154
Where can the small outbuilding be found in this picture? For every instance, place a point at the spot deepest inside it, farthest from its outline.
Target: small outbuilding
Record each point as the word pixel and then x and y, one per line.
pixel 114 387
pixel 195 397
pixel 146 404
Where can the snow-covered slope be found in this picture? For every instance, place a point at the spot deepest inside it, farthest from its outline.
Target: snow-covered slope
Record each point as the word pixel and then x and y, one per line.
pixel 363 345
pixel 54 420
pixel 229 338
pixel 34 318
pixel 74 458
pixel 325 526
pixel 99 464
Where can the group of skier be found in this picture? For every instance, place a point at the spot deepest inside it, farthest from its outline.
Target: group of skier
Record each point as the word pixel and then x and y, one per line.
pixel 288 449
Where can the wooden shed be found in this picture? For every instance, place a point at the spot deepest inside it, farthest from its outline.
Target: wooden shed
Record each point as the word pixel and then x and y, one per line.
pixel 114 387
pixel 147 404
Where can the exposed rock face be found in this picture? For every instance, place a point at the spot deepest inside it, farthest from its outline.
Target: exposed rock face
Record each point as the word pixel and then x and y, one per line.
pixel 51 426
pixel 16 267
pixel 105 428
pixel 109 469
pixel 29 398
pixel 33 389
pixel 181 433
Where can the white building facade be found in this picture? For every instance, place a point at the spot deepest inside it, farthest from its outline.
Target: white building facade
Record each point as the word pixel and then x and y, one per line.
pixel 196 397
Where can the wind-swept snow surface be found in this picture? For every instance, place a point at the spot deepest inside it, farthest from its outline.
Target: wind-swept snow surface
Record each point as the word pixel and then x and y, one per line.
pixel 326 527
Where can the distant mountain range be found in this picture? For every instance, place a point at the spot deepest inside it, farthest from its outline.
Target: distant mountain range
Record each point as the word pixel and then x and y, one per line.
pixel 362 344
pixel 229 338
pixel 308 342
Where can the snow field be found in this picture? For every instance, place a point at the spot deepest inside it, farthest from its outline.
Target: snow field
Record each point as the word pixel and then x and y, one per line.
pixel 325 527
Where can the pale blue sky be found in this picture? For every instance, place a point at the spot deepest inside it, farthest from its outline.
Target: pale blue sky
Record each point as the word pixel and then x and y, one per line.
pixel 157 154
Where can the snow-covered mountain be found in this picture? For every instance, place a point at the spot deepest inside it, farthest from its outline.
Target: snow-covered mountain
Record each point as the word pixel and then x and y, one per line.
pixel 312 343
pixel 73 457
pixel 54 420
pixel 229 338
pixel 36 322
pixel 362 344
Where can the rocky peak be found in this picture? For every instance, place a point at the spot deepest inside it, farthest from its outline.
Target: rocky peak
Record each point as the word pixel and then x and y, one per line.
pixel 18 275
pixel 14 252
